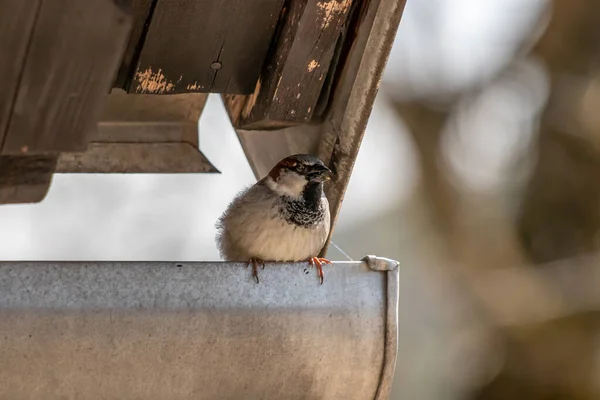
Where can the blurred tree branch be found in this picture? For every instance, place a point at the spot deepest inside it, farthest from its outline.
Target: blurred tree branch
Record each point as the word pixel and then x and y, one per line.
pixel 549 316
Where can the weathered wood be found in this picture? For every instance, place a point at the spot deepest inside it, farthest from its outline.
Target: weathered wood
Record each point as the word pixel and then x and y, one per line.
pixel 25 179
pixel 147 132
pixel 206 46
pixel 16 24
pixel 144 134
pixel 142 13
pixel 370 39
pixel 123 107
pixel 135 158
pixel 70 65
pixel 293 76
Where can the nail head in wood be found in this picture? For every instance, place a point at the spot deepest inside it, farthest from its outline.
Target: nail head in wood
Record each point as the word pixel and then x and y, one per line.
pixel 185 37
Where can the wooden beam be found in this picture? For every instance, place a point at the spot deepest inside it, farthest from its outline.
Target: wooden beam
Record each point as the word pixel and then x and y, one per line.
pixel 16 25
pixel 70 65
pixel 123 107
pixel 293 76
pixel 144 134
pixel 364 56
pixel 129 158
pixel 25 179
pixel 205 46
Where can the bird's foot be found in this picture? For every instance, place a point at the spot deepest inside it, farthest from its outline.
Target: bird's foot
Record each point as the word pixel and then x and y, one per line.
pixel 318 262
pixel 255 262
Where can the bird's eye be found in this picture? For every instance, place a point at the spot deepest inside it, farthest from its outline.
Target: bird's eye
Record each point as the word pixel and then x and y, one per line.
pixel 300 167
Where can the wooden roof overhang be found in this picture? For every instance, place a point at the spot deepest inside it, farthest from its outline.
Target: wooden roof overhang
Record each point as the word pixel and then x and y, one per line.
pixel 297 76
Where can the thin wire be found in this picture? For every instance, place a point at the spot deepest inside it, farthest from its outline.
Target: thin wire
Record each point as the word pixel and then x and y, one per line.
pixel 341 251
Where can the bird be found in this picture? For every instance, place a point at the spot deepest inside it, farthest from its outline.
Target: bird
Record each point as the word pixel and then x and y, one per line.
pixel 283 217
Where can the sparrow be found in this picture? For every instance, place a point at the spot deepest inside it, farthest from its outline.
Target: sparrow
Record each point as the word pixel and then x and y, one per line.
pixel 283 217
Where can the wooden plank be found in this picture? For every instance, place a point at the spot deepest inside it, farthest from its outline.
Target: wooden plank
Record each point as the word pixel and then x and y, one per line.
pixel 147 132
pixel 123 107
pixel 140 133
pixel 370 39
pixel 25 179
pixel 70 65
pixel 142 13
pixel 293 76
pixel 141 118
pixel 206 46
pixel 16 25
pixel 136 158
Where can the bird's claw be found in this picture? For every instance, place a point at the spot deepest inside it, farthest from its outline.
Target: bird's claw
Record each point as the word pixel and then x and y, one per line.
pixel 318 262
pixel 254 262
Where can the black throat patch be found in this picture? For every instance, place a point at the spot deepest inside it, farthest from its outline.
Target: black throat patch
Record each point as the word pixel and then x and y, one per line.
pixel 307 210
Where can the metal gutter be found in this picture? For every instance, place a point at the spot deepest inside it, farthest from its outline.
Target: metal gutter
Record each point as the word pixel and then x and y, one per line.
pixel 157 330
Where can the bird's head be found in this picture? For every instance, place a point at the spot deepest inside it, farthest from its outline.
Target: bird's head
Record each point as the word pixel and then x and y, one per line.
pixel 291 175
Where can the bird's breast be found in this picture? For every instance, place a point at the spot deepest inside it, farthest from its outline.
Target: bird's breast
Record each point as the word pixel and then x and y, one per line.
pixel 279 240
pixel 273 229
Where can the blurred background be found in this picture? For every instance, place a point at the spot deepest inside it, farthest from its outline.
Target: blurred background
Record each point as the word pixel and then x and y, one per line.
pixel 479 172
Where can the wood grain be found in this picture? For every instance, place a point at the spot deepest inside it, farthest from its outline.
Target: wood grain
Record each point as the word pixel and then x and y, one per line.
pixel 206 46
pixel 16 25
pixel 140 133
pixel 70 65
pixel 294 73
pixel 131 158
pixel 141 14
pixel 123 107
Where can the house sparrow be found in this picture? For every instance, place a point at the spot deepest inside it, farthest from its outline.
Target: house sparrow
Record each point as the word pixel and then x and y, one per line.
pixel 282 217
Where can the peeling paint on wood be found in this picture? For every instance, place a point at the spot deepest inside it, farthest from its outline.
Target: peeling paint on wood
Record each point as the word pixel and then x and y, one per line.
pixel 293 75
pixel 216 46
pixel 328 10
pixel 194 87
pixel 274 94
pixel 251 100
pixel 150 82
pixel 312 65
pixel 234 104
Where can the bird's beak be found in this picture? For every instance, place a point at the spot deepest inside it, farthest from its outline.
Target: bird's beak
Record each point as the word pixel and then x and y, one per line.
pixel 319 173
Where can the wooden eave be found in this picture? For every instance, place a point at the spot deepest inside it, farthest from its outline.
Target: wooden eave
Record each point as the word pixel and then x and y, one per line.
pixel 297 76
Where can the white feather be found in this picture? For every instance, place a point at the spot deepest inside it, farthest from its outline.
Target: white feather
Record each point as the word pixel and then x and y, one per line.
pixel 252 227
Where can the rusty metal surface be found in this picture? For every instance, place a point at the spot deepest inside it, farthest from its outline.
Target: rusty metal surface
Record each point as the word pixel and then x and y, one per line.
pixel 195 330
